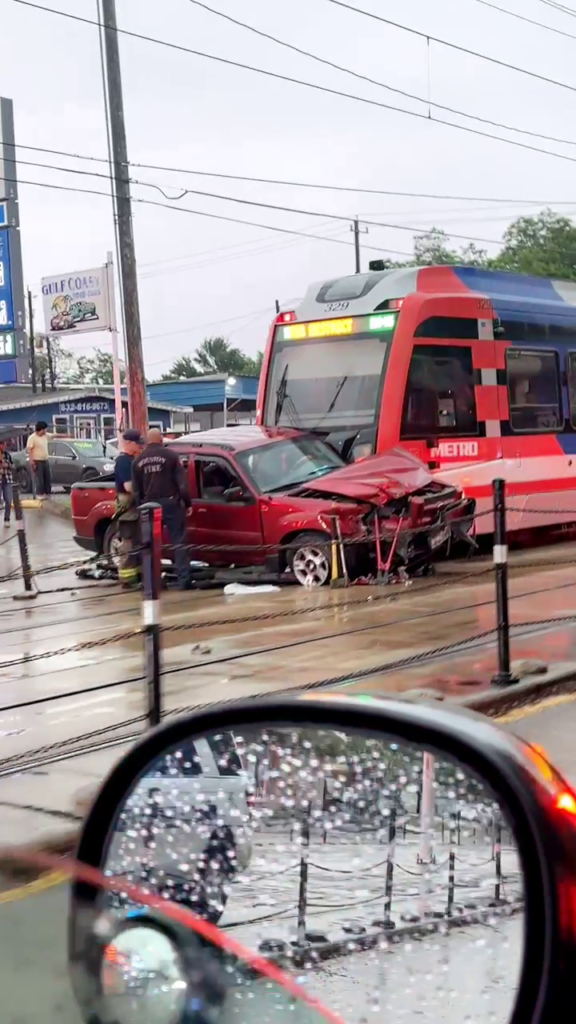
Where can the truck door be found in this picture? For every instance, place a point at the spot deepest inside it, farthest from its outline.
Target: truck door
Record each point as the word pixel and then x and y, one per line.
pixel 222 518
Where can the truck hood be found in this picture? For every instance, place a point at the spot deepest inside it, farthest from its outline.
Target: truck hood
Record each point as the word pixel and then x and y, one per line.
pixel 375 480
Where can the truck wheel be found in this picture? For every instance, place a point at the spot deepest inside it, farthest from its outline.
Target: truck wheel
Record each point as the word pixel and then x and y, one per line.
pixel 89 475
pixel 111 544
pixel 309 559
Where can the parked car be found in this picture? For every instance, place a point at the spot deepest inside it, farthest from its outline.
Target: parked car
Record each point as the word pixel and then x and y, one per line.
pixel 70 461
pixel 202 789
pixel 268 497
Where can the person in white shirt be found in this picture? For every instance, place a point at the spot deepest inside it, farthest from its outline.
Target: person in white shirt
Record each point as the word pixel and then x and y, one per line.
pixel 37 449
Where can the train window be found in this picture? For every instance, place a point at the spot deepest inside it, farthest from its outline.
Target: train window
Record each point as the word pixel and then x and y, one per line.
pixel 447 327
pixel 533 390
pixel 571 367
pixel 440 400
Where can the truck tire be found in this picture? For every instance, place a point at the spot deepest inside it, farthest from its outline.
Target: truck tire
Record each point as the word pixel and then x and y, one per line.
pixel 23 477
pixel 308 558
pixel 111 544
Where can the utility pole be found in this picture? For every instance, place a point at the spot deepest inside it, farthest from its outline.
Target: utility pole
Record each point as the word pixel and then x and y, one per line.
pixel 356 230
pixel 355 227
pixel 129 282
pixel 31 344
pixel 51 376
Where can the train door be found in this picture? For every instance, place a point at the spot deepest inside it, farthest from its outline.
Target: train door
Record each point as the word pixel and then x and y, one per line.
pixel 538 464
pixel 452 408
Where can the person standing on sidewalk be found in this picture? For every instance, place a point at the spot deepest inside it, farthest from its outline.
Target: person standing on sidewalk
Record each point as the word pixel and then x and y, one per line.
pixel 158 475
pixel 126 510
pixel 37 449
pixel 6 481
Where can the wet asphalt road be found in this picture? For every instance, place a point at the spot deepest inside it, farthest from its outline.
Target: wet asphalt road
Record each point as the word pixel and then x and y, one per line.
pixel 33 927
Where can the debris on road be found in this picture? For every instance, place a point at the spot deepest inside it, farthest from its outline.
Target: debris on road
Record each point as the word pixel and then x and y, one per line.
pixel 235 589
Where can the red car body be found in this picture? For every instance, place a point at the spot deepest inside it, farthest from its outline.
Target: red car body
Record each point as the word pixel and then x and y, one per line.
pixel 397 484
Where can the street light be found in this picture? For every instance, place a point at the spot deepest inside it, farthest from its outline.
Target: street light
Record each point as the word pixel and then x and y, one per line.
pixel 230 382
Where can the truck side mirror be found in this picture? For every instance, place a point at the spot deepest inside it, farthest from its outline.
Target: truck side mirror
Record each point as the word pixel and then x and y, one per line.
pixel 235 494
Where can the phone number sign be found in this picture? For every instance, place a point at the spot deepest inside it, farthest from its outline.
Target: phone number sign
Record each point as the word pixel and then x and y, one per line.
pixel 103 405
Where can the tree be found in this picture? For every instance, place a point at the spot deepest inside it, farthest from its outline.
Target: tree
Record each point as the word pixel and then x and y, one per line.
pixel 544 245
pixel 216 355
pixel 96 369
pixel 63 363
pixel 431 250
pixel 183 367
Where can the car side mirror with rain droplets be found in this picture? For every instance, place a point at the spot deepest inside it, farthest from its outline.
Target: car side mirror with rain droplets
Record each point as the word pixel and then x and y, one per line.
pixel 336 858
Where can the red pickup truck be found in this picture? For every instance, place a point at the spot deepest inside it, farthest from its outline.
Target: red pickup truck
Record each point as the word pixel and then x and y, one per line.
pixel 275 490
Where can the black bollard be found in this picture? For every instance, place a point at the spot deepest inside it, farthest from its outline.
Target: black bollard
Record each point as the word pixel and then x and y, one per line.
pixel 151 535
pixel 451 869
pixel 387 923
pixel 303 887
pixel 29 592
pixel 503 676
pixel 498 863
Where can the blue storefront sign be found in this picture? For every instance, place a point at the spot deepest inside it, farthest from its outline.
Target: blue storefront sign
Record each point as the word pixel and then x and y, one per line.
pixel 6 296
pixel 86 405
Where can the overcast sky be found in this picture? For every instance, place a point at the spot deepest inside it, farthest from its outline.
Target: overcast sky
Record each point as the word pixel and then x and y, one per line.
pixel 199 276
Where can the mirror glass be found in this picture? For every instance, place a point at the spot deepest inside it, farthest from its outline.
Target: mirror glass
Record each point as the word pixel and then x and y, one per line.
pixel 382 878
pixel 142 963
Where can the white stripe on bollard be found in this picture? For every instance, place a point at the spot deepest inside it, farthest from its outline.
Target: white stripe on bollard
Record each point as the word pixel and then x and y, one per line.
pixel 150 613
pixel 500 554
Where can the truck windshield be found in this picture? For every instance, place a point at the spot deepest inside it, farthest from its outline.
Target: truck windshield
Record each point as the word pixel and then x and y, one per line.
pixel 327 382
pixel 279 466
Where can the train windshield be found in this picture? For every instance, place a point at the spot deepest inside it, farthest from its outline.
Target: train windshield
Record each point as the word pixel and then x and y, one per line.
pixel 328 374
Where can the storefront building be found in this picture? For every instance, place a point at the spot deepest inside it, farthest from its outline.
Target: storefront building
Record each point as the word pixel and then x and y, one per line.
pixel 86 413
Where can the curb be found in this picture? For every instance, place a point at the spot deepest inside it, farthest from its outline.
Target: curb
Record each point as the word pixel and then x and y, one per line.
pixel 52 507
pixel 349 944
pixel 500 700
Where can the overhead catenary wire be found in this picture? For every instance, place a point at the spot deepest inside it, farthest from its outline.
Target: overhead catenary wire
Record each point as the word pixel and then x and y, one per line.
pixel 428 116
pixel 529 21
pixel 445 42
pixel 561 8
pixel 427 100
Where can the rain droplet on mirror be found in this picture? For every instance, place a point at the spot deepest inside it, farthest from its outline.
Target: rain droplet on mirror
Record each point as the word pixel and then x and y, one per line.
pixel 356 858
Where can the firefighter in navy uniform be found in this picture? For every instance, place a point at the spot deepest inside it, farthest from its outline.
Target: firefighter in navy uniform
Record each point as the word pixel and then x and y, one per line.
pixel 127 510
pixel 159 476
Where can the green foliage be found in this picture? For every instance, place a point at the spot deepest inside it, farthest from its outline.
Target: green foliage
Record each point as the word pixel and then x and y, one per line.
pixel 215 355
pixel 544 245
pixel 96 369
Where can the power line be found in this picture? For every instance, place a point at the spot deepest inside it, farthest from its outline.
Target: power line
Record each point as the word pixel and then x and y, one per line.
pixel 243 255
pixel 529 21
pixel 211 216
pixel 299 184
pixel 451 46
pixel 326 89
pixel 285 209
pixel 381 85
